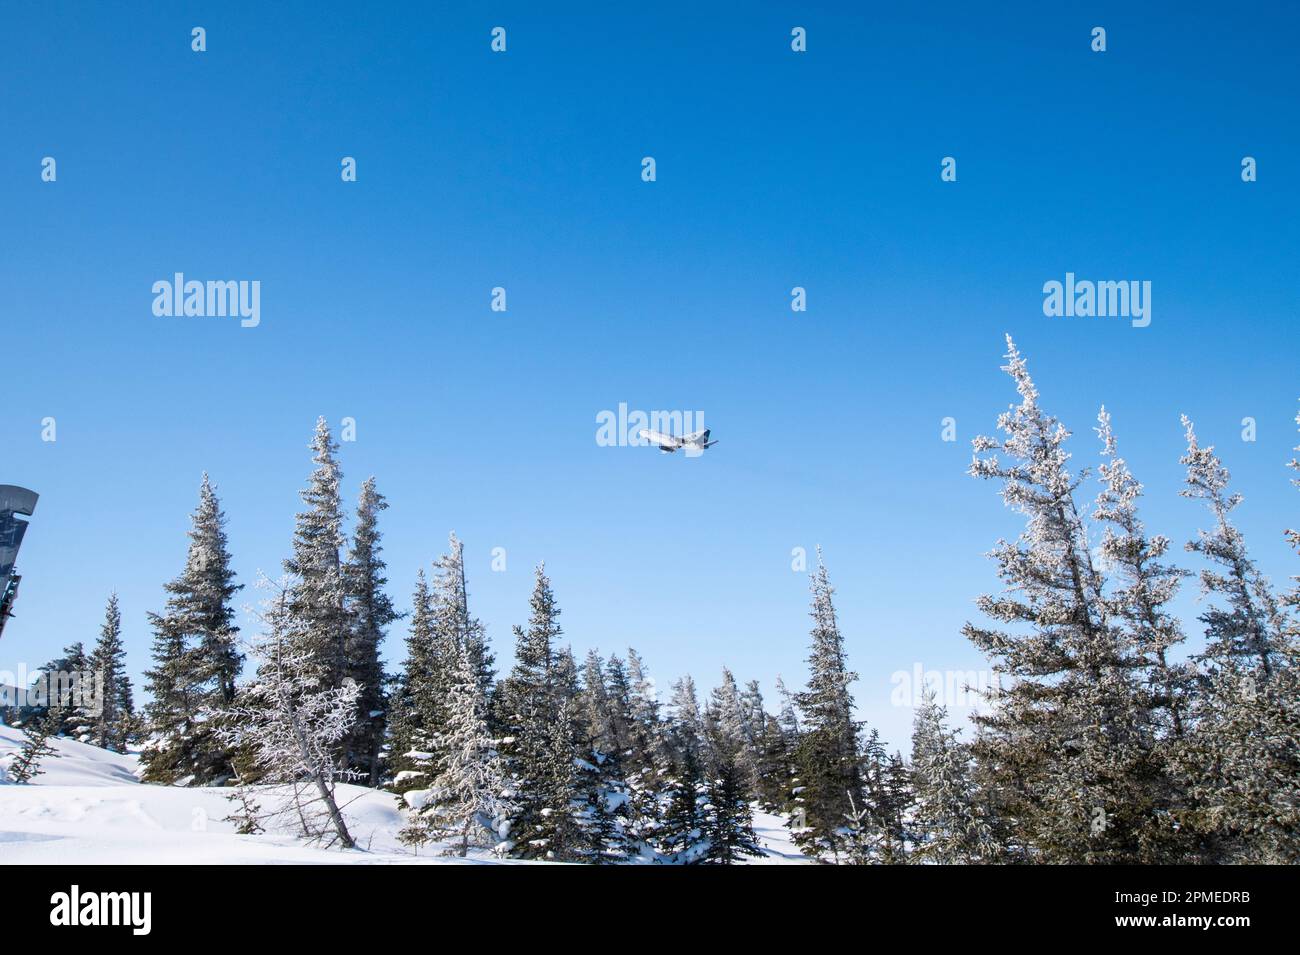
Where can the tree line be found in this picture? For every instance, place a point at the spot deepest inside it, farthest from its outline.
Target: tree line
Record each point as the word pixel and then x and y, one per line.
pixel 1103 741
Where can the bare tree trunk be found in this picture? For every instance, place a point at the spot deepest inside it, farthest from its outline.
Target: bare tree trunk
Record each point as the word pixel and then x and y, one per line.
pixel 320 776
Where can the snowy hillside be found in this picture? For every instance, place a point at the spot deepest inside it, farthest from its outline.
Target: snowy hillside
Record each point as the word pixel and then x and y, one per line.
pixel 89 808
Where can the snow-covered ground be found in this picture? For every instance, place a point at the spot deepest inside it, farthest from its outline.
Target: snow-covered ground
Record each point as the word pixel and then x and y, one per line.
pixel 89 808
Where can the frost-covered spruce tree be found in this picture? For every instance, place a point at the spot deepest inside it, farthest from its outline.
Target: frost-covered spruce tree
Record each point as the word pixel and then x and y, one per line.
pixel 880 830
pixel 680 837
pixel 467 802
pixel 948 824
pixel 827 755
pixel 538 707
pixel 113 724
pixel 648 763
pixel 414 713
pixel 769 751
pixel 26 764
pixel 453 624
pixel 70 684
pixel 1068 740
pixel 1143 585
pixel 728 820
pixel 618 697
pixel 783 752
pixel 290 721
pixel 172 721
pixel 602 813
pixel 686 725
pixel 370 612
pixel 647 740
pixel 317 600
pixel 729 711
pixel 1243 761
pixel 441 627
pixel 595 702
pixel 195 659
pixel 1250 628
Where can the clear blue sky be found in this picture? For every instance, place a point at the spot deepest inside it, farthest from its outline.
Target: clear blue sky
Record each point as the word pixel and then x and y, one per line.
pixel 522 170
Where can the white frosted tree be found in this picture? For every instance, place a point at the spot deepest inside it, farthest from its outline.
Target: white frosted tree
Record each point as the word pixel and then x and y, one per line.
pixel 1142 584
pixel 826 757
pixel 441 629
pixel 1243 761
pixel 113 723
pixel 467 802
pixel 1250 628
pixel 290 721
pixel 317 598
pixel 1067 744
pixel 949 827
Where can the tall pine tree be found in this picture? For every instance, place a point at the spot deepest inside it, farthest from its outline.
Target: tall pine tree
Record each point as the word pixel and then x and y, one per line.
pixel 827 755
pixel 317 600
pixel 1069 743
pixel 195 659
pixel 1242 764
pixel 113 724
pixel 370 612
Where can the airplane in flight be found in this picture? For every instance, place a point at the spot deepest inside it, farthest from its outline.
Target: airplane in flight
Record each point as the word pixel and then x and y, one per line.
pixel 693 443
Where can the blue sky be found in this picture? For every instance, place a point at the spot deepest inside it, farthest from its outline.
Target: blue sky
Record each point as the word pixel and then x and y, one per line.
pixel 522 170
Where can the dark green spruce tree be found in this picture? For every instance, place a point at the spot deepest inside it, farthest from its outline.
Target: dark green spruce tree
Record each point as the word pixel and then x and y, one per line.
pixel 827 753
pixel 195 660
pixel 729 822
pixel 370 612
pixel 540 713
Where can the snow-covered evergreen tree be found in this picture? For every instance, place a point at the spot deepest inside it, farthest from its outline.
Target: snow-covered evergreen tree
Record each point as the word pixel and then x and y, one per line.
pixel 880 821
pixel 1251 628
pixel 414 703
pixel 317 600
pixel 728 820
pixel 686 725
pixel 290 721
pixel 731 714
pixel 71 685
pixel 452 620
pixel 114 723
pixel 467 802
pixel 1242 764
pixel 603 813
pixel 949 827
pixel 195 659
pixel 37 732
pixel 1069 739
pixel 827 755
pixel 441 629
pixel 538 706
pixel 647 764
pixel 1144 585
pixel 370 612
